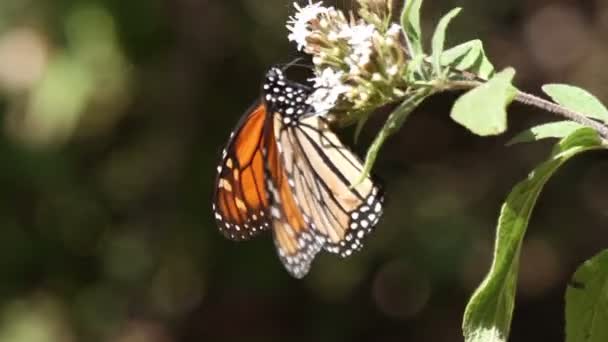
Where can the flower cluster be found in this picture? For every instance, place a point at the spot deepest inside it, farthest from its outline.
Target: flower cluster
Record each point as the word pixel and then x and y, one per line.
pixel 359 60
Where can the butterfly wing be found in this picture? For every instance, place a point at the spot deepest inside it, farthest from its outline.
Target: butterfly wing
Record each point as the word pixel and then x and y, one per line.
pixel 240 201
pixel 297 244
pixel 324 178
pixel 316 201
pixel 284 168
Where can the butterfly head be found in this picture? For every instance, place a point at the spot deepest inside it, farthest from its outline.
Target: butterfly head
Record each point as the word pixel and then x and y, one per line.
pixel 283 96
pixel 275 74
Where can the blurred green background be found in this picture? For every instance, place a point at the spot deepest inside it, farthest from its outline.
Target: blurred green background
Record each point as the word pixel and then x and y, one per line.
pixel 112 116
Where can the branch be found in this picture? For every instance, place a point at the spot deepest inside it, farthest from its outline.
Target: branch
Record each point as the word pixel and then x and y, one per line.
pixel 535 101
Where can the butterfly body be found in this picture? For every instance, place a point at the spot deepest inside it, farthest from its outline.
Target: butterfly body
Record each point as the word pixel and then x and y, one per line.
pixel 284 170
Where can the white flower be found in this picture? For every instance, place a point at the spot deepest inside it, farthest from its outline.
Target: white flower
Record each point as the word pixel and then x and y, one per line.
pixel 394 30
pixel 361 36
pixel 328 78
pixel 360 40
pixel 298 25
pixel 329 88
pixel 393 70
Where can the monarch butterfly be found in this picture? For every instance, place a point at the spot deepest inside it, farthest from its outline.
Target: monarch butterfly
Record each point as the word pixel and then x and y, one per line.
pixel 284 170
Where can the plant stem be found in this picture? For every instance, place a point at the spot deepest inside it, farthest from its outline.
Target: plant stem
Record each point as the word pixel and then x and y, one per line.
pixel 535 101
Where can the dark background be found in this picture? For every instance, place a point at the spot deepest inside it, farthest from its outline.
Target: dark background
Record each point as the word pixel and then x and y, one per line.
pixel 113 114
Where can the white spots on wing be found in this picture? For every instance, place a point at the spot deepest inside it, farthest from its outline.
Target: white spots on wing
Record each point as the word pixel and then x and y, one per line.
pixel 225 184
pixel 298 262
pixel 275 212
pixel 362 221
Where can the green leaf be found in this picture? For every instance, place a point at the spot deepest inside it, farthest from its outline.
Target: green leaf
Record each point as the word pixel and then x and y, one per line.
pixel 587 302
pixel 410 22
pixel 578 100
pixel 438 41
pixel 360 124
pixel 483 110
pixel 488 314
pixel 415 69
pixel 558 129
pixel 469 56
pixel 392 125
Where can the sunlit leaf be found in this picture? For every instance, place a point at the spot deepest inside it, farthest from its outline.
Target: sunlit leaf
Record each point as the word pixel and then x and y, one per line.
pixel 469 56
pixel 360 124
pixel 558 129
pixel 587 302
pixel 488 314
pixel 392 125
pixel 483 110
pixel 578 100
pixel 410 21
pixel 438 40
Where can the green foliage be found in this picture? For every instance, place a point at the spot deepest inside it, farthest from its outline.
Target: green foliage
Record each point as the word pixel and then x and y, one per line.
pixel 483 110
pixel 587 302
pixel 392 125
pixel 559 129
pixel 438 40
pixel 488 315
pixel 578 100
pixel 410 22
pixel 469 56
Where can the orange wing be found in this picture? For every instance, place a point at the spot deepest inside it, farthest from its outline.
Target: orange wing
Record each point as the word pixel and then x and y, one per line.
pixel 296 242
pixel 240 202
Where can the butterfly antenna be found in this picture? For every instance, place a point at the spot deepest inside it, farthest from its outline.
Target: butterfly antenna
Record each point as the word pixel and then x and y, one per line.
pixel 295 63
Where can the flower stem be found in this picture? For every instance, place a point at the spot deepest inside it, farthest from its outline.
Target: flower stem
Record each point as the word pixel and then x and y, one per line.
pixel 535 101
